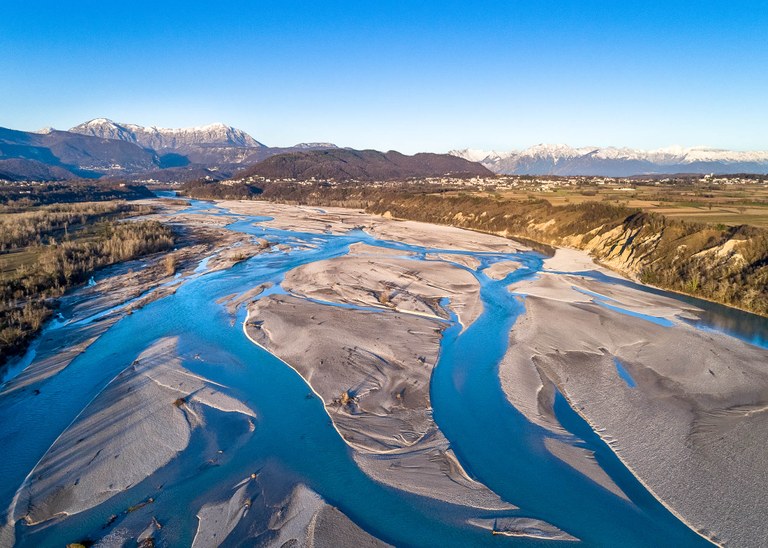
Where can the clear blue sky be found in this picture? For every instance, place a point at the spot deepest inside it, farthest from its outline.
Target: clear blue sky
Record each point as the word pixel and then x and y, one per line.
pixel 415 75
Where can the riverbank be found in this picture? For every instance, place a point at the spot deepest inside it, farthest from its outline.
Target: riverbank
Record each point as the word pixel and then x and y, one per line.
pixel 723 264
pixel 674 402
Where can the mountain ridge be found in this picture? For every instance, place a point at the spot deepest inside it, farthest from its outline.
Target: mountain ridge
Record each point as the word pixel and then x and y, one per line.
pixel 104 148
pixel 159 138
pixel 559 159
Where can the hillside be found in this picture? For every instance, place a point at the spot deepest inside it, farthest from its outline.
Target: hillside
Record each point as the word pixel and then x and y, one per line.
pixel 16 195
pixel 361 165
pixel 22 169
pixel 724 264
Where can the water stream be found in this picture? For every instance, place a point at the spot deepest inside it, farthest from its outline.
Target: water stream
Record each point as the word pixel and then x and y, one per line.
pixel 495 443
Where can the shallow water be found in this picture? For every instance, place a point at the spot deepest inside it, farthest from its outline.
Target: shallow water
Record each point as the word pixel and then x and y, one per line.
pixel 495 443
pixel 716 317
pixel 624 374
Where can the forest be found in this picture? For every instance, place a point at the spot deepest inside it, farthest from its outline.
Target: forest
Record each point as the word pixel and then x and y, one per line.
pixel 23 195
pixel 204 189
pixel 45 250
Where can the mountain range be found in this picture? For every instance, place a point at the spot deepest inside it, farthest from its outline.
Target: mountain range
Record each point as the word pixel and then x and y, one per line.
pixel 616 162
pixel 213 135
pixel 214 144
pixel 104 148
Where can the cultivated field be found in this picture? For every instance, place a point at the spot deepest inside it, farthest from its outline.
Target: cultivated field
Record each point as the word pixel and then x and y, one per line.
pixel 730 205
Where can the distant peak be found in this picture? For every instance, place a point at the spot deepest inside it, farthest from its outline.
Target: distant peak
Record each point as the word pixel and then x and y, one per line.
pixel 314 145
pixel 160 138
pixel 217 125
pixel 207 127
pixel 481 155
pixel 98 122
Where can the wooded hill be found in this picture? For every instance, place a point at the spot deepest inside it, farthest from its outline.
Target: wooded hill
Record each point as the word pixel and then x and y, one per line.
pixel 48 249
pixel 361 165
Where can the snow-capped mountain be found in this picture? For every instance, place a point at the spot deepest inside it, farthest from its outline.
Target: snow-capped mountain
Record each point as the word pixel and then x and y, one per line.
pixel 212 145
pixel 162 139
pixel 313 146
pixel 478 155
pixel 102 147
pixel 617 162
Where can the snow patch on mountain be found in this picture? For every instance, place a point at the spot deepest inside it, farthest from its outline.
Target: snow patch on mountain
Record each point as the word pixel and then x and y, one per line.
pixel 479 155
pixel 559 159
pixel 314 145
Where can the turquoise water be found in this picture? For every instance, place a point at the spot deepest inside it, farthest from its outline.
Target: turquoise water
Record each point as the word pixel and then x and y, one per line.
pixel 493 441
pixel 605 302
pixel 624 374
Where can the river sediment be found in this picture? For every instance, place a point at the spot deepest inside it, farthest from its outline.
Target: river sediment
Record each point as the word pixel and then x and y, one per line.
pixel 410 383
